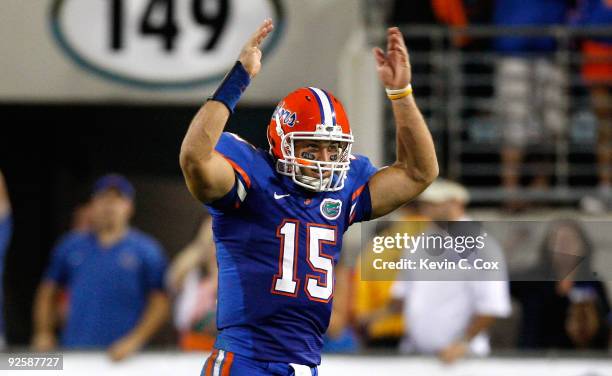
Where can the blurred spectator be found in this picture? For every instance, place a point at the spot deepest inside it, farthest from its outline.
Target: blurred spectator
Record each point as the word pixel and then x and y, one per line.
pixel 597 74
pixel 5 237
pixel 192 279
pixel 82 217
pixel 372 296
pixel 341 336
pixel 530 88
pixel 475 12
pixel 563 305
pixel 452 13
pixel 114 275
pixel 418 12
pixel 450 318
pixel 587 322
pixel 461 13
pixel 81 222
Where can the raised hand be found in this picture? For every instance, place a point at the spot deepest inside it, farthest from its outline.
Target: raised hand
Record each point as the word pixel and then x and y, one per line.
pixel 393 67
pixel 250 56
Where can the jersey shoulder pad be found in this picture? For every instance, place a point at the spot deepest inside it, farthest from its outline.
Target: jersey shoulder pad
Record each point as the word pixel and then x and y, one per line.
pixel 361 169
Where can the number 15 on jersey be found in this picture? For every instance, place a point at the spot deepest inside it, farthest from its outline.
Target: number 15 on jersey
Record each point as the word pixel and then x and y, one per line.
pixel 286 281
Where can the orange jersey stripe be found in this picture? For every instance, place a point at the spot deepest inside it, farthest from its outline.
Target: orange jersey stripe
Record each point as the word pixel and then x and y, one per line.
pixel 357 192
pixel 238 169
pixel 227 364
pixel 211 362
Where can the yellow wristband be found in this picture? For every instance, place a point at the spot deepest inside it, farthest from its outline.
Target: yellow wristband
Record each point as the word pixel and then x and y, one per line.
pixel 394 94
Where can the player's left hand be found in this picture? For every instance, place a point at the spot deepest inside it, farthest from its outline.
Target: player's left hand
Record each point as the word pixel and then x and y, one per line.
pixel 123 348
pixel 393 67
pixel 453 352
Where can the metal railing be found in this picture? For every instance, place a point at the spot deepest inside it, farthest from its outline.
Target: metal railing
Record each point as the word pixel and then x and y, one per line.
pixel 456 89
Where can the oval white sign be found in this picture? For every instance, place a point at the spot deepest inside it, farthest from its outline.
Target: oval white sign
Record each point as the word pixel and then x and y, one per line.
pixel 160 43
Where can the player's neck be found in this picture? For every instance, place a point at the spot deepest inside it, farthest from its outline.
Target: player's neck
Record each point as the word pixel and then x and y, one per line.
pixel 109 236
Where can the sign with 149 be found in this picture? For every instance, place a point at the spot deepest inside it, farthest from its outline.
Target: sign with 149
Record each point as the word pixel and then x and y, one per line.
pixel 160 43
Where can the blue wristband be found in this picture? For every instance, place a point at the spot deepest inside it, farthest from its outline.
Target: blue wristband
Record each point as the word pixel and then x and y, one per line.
pixel 232 87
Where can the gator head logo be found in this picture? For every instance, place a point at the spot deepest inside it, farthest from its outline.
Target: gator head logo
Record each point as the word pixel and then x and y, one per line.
pixel 331 208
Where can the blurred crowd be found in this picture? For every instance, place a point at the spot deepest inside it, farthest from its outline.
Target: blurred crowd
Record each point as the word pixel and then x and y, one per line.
pixel 556 303
pixel 536 73
pixel 109 286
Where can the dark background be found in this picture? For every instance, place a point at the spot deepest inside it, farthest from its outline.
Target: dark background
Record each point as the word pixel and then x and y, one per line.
pixel 51 154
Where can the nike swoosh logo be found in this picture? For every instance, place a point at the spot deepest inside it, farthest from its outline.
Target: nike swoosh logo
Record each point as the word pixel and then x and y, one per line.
pixel 278 197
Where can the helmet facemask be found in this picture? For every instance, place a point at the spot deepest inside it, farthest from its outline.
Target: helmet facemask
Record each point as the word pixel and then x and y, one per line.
pixel 329 175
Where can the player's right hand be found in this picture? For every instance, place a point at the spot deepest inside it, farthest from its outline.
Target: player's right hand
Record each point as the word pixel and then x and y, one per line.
pixel 250 56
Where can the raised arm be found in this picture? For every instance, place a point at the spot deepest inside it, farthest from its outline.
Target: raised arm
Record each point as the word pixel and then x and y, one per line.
pixel 200 251
pixel 416 165
pixel 207 174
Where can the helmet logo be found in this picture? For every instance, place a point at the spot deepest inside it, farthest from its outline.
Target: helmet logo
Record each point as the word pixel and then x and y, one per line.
pixel 331 208
pixel 285 116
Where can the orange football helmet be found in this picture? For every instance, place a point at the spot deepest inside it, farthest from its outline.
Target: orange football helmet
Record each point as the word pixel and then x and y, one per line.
pixel 316 115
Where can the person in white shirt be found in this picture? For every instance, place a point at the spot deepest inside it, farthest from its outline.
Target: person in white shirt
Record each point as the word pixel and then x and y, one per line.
pixel 449 318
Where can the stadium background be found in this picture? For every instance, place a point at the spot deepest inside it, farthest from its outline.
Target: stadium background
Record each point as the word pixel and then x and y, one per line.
pixel 65 124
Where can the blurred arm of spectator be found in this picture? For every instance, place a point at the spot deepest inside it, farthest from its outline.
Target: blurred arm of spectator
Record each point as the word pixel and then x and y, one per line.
pixel 341 307
pixel 394 306
pixel 6 230
pixel 201 251
pixel 582 323
pixel 341 336
pixel 491 301
pixel 45 318
pixel 5 203
pixel 460 348
pixel 45 303
pixel 586 323
pixel 155 315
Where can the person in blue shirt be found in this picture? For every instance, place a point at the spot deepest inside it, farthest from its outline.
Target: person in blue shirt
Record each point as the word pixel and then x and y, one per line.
pixel 279 214
pixel 510 13
pixel 597 75
pixel 114 277
pixel 530 88
pixel 6 227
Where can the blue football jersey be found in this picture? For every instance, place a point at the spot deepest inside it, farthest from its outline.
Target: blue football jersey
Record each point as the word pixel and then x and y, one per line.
pixel 277 246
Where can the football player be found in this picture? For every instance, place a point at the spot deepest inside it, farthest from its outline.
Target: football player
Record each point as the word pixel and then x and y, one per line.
pixel 279 215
